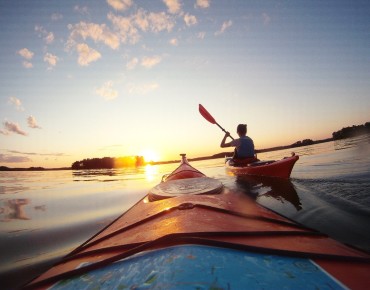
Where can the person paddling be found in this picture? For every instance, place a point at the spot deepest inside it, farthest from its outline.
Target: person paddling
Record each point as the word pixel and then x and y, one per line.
pixel 244 146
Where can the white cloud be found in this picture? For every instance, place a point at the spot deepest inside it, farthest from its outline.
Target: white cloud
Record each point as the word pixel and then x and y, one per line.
pixel 174 41
pixel 149 62
pixel 161 21
pixel 201 35
pixel 190 19
pixel 203 3
pixel 173 6
pixel 11 127
pixel 86 55
pixel 25 53
pixel 132 63
pixel 120 4
pixel 142 89
pixel 17 103
pixel 97 32
pixel 51 60
pixel 42 32
pixel 32 123
pixel 106 91
pixel 56 16
pixel 82 10
pixel 224 26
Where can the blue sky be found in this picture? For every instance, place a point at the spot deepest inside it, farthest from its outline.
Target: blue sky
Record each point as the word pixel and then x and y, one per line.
pixel 83 79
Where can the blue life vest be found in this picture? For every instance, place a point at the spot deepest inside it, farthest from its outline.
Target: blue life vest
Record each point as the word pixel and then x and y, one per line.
pixel 246 147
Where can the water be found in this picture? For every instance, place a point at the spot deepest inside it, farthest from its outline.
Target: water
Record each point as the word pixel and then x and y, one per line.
pixel 46 214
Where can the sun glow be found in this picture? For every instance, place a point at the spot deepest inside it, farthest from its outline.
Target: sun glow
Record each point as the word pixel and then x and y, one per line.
pixel 150 155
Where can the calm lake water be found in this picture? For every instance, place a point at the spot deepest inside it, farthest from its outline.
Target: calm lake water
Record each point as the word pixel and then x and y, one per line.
pixel 45 215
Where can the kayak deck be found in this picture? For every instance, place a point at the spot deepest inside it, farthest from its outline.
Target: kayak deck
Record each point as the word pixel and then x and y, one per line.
pixel 228 220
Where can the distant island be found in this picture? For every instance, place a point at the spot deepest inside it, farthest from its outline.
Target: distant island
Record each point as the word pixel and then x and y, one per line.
pixel 135 161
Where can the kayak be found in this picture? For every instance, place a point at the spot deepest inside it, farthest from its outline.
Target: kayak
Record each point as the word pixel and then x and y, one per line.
pixel 192 232
pixel 281 168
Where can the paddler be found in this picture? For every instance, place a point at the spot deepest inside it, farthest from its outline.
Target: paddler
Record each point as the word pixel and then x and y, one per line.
pixel 244 146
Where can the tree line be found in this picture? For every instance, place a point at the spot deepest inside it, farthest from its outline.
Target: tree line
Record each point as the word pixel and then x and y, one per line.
pixel 352 131
pixel 109 162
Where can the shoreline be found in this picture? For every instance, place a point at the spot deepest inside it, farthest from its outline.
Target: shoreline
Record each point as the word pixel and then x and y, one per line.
pixel 214 156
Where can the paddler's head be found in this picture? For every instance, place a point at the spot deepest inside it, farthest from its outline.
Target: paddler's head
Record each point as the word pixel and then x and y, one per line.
pixel 241 130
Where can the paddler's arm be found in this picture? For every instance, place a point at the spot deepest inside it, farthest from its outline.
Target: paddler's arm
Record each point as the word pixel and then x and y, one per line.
pixel 223 142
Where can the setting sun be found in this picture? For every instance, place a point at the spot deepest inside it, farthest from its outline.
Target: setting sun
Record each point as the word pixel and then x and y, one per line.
pixel 150 155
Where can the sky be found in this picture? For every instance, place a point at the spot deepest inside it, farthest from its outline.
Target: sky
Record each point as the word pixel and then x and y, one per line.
pixel 110 78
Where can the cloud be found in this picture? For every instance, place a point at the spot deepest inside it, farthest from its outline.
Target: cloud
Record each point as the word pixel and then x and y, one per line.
pixel 203 3
pixel 4 132
pixel 97 32
pixel 266 19
pixel 56 16
pixel 25 53
pixel 107 92
pixel 11 127
pixel 82 10
pixel 13 159
pixel 174 42
pixel 173 6
pixel 16 102
pixel 149 62
pixel 120 4
pixel 42 32
pixel 36 154
pixel 27 64
pixel 86 55
pixel 51 60
pixel 132 63
pixel 31 121
pixel 224 26
pixel 142 89
pixel 201 35
pixel 190 19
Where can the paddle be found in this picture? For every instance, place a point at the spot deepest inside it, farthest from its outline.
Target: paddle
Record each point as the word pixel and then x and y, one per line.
pixel 209 118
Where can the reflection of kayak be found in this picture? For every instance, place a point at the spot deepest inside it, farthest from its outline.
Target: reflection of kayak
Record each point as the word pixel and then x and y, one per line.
pixel 281 168
pixel 191 233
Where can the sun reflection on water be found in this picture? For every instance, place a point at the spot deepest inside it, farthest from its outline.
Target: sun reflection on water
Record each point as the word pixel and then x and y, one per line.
pixel 151 172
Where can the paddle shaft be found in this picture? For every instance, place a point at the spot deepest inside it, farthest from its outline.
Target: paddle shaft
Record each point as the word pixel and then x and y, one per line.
pixel 223 130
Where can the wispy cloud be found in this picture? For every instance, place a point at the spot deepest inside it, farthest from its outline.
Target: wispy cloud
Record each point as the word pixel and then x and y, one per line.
pixel 56 154
pixel 32 123
pixel 83 10
pixel 13 159
pixel 10 127
pixel 17 103
pixel 86 55
pixel 120 5
pixel 224 26
pixel 142 89
pixel 190 19
pixel 173 6
pixel 266 19
pixel 132 63
pixel 43 33
pixel 203 3
pixel 96 32
pixel 149 62
pixel 107 92
pixel 56 16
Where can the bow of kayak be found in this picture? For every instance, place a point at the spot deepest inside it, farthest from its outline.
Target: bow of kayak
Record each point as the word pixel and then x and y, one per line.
pixel 281 168
pixel 185 235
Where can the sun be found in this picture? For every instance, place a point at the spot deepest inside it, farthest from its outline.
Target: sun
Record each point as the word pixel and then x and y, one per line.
pixel 150 155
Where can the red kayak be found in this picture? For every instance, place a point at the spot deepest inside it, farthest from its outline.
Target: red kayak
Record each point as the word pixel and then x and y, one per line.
pixel 281 168
pixel 191 232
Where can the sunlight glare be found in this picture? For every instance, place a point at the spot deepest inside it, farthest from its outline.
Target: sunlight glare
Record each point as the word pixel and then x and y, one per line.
pixel 151 172
pixel 150 155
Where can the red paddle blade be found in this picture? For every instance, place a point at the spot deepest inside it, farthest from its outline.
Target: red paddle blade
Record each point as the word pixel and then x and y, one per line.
pixel 206 115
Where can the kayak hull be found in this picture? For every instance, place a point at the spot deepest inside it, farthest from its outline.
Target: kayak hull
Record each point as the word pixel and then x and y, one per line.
pixel 281 168
pixel 194 240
